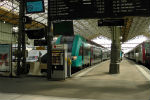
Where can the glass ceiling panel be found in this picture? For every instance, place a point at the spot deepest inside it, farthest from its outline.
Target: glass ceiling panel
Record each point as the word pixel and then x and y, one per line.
pixel 139 26
pixel 13 6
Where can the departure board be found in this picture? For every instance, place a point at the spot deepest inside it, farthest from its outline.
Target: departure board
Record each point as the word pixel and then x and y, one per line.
pixel 76 9
pixel 83 9
pixel 130 8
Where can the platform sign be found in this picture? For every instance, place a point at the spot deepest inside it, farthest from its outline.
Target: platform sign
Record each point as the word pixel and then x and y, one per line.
pixel 111 22
pixel 5 57
pixel 82 9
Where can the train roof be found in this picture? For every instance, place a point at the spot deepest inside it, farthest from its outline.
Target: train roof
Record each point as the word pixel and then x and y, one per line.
pixel 94 43
pixel 139 45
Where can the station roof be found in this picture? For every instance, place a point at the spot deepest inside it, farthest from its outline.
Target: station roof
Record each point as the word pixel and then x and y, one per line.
pixel 87 28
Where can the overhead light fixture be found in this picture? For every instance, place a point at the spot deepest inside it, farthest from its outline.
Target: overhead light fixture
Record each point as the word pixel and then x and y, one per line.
pixel 121 37
pixel 15 29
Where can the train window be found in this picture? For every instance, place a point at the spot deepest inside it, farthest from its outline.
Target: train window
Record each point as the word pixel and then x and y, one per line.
pixel 137 50
pixel 69 47
pixel 67 40
pixel 81 51
pixel 147 51
pixel 86 51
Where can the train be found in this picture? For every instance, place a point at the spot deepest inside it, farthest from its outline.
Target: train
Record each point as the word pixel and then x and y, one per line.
pixel 83 52
pixel 140 54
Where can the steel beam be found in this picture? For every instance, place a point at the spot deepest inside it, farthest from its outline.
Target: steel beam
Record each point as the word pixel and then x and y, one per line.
pixel 21 31
pixel 49 44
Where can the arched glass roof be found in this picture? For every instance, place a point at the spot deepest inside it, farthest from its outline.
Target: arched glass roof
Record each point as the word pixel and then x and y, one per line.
pixel 88 28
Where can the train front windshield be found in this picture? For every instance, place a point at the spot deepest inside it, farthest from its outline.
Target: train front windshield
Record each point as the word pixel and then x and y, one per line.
pixel 67 40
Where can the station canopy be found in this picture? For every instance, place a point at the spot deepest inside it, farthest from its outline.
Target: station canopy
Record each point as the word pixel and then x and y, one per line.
pixel 88 28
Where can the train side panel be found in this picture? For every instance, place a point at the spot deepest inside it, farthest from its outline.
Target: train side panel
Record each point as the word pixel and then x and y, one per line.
pixel 77 59
pixel 141 54
pixel 147 54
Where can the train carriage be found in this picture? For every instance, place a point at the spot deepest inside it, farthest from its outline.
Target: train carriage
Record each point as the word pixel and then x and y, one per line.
pixel 141 53
pixel 82 52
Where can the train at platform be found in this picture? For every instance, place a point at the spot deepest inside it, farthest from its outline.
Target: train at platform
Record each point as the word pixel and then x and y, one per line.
pixel 140 54
pixel 83 52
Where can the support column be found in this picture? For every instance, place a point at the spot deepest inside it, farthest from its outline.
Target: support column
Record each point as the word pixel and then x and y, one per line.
pixel 49 44
pixel 21 27
pixel 24 43
pixel 115 51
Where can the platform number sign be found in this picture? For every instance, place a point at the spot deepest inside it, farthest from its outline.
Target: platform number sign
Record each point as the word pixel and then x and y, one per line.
pixel 35 6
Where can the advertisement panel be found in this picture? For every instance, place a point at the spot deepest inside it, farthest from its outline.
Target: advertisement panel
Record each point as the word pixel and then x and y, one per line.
pixel 5 57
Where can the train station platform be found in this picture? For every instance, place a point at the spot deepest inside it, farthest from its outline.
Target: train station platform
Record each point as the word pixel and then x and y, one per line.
pixel 94 83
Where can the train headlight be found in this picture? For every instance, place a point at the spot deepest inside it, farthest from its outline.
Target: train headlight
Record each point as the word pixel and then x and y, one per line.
pixel 74 57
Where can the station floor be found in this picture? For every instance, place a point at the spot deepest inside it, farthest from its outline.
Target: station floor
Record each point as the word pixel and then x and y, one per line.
pixel 94 83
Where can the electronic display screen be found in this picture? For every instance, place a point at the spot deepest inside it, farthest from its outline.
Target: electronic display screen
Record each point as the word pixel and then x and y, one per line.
pixel 35 6
pixel 63 28
pixel 87 9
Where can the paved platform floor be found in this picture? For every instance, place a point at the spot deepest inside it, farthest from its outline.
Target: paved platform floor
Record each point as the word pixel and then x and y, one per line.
pixel 94 83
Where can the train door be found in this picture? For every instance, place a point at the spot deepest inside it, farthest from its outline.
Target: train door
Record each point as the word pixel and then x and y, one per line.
pixel 91 56
pixel 137 51
pixel 81 53
pixel 147 53
pixel 142 54
pixel 101 56
pixel 86 55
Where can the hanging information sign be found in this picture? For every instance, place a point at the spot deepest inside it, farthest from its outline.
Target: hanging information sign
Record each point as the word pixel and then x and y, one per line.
pixel 83 9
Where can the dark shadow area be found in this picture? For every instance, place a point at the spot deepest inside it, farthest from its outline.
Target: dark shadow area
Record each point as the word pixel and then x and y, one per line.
pixel 100 74
pixel 133 62
pixel 130 61
pixel 144 86
pixel 77 88
pixel 70 89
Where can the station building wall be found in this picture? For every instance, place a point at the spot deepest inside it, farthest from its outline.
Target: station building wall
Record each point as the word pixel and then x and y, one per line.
pixel 6 35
